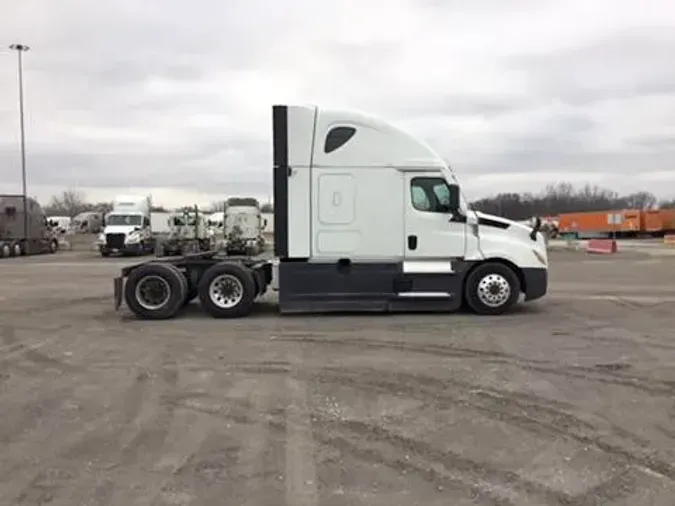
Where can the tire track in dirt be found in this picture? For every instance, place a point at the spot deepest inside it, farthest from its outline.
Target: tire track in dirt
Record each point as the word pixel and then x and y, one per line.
pixel 137 455
pixel 525 411
pixel 100 438
pixel 405 346
pixel 224 468
pixel 599 375
pixel 480 480
pixel 48 306
pixel 301 487
pixel 17 348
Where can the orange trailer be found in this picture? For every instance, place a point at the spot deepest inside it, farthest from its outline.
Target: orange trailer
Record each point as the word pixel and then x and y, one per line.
pixel 625 221
pixel 667 219
pixel 652 221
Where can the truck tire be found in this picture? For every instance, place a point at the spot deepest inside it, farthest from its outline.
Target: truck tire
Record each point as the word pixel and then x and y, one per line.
pixel 17 249
pixel 105 254
pixel 5 250
pixel 53 246
pixel 227 290
pixel 155 291
pixel 491 289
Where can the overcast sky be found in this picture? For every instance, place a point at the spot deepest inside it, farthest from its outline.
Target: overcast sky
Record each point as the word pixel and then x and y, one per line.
pixel 174 96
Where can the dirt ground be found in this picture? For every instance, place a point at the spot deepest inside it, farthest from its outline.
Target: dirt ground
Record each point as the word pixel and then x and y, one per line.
pixel 567 401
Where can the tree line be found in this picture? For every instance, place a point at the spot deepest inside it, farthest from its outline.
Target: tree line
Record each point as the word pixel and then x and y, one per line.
pixel 566 198
pixel 72 202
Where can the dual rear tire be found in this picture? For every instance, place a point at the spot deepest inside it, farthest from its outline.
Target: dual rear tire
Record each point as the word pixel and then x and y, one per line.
pixel 158 290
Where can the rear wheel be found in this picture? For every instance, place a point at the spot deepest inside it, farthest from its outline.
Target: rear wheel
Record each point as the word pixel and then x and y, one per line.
pixel 17 249
pixel 5 250
pixel 155 291
pixel 227 290
pixel 491 289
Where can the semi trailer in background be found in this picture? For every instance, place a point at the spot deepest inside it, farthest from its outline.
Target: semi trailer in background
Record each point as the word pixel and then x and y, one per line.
pixel 24 230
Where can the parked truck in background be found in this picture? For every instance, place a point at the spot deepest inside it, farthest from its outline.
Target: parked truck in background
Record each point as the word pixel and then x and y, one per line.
pixel 243 226
pixel 128 229
pixel 88 222
pixel 24 231
pixel 188 233
pixel 60 225
pixel 216 227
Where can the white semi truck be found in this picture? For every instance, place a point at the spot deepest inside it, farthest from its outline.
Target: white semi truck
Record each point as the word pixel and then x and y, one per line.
pixel 243 227
pixel 127 227
pixel 188 233
pixel 366 218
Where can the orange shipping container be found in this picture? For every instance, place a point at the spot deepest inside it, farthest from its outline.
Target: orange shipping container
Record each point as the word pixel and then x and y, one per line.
pixel 652 221
pixel 668 219
pixel 627 220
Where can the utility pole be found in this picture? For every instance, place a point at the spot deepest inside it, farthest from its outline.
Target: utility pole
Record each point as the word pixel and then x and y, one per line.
pixel 20 49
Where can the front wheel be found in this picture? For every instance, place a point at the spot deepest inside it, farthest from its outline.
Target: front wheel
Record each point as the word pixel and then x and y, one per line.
pixel 53 246
pixel 491 289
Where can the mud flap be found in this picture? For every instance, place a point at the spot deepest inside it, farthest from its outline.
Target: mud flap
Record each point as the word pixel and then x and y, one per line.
pixel 118 284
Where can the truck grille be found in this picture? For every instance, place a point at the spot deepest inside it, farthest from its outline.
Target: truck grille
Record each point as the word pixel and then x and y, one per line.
pixel 115 241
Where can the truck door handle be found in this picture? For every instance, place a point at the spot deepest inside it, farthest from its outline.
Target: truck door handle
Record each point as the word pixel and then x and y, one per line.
pixel 412 242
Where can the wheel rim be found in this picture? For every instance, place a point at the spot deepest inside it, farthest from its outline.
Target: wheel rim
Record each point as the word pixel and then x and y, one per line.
pixel 6 251
pixel 494 290
pixel 226 291
pixel 17 249
pixel 152 292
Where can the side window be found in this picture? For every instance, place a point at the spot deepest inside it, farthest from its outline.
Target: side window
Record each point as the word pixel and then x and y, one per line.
pixel 420 201
pixel 338 137
pixel 430 194
pixel 442 193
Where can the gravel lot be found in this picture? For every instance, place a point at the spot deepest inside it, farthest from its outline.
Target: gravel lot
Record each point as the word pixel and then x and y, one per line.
pixel 566 401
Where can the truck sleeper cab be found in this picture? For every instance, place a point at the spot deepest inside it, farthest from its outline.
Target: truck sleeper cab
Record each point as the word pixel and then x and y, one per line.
pixel 367 218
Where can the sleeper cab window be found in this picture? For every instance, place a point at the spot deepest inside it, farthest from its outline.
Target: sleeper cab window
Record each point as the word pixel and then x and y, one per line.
pixel 338 137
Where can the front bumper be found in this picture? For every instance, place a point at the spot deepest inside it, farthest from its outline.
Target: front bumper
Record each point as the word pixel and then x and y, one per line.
pixel 127 248
pixel 536 282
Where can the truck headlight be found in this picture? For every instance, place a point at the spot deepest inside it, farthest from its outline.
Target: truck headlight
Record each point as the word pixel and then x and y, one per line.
pixel 101 237
pixel 132 238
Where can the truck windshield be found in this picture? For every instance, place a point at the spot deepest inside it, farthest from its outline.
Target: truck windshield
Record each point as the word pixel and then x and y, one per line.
pixel 181 221
pixel 124 219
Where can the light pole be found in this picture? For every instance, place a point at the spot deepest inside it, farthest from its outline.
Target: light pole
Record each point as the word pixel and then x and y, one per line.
pixel 20 49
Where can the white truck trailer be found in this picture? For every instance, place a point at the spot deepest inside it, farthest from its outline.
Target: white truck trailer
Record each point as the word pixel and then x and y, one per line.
pixel 127 227
pixel 367 218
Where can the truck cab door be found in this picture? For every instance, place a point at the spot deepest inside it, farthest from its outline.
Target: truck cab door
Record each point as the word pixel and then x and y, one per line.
pixel 431 230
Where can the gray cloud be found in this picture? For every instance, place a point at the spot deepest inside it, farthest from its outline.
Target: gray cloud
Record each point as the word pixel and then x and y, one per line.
pixel 177 96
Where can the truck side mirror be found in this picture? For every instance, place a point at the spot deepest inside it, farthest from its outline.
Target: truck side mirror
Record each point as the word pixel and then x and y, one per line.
pixel 453 199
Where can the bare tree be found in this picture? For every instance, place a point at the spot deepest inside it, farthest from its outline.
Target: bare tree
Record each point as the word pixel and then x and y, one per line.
pixel 564 198
pixel 69 203
pixel 217 206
